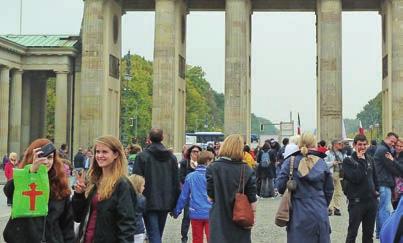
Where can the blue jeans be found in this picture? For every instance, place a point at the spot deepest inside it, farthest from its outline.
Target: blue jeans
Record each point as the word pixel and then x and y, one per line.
pixel 385 206
pixel 155 223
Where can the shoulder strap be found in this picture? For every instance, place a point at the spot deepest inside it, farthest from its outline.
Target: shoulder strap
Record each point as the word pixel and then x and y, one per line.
pixel 241 180
pixel 291 174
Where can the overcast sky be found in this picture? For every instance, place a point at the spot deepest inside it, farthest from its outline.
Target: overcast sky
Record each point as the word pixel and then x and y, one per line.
pixel 283 51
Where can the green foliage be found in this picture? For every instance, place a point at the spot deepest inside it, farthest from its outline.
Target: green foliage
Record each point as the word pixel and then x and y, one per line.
pixel 351 126
pixel 50 108
pixel 268 127
pixel 372 112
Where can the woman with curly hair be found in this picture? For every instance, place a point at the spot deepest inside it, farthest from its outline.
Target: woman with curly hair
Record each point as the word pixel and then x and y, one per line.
pixel 105 204
pixel 59 226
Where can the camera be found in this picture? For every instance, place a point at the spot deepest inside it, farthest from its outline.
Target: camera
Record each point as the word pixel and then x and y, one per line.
pixel 47 150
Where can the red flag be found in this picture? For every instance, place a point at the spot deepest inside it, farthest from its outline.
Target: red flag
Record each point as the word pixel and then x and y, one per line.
pixel 299 125
pixel 361 129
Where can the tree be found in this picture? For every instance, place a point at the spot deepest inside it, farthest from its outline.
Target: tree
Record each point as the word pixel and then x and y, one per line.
pixel 372 112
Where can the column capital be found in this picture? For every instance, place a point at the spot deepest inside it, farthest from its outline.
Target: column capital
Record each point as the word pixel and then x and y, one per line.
pixel 61 72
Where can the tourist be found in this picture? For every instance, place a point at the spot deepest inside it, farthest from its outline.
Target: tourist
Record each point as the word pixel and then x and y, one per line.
pixel 322 146
pixel 223 179
pixel 194 196
pixel 334 159
pixel 309 220
pixel 187 166
pixel 8 171
pixel 59 226
pixel 265 171
pixel 372 148
pixel 361 188
pixel 132 150
pixel 384 173
pixel 392 230
pixel 159 168
pixel 105 205
pixel 79 160
pixel 248 158
pixel 397 172
pixel 138 183
pixel 63 151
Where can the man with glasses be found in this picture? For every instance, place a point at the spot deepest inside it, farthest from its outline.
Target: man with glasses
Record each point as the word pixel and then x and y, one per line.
pixel 384 171
pixel 361 188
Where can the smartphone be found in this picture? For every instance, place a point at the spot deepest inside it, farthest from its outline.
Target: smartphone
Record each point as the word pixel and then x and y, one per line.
pixel 47 150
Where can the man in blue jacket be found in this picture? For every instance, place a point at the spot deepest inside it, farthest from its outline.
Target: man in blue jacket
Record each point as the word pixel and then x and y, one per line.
pixel 194 191
pixel 384 172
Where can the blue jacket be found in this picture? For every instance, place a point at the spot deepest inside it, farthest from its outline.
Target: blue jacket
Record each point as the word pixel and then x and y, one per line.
pixel 391 225
pixel 194 191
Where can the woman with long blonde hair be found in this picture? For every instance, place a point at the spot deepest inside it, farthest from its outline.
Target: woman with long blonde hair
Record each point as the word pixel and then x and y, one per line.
pixel 223 181
pixel 105 203
pixel 309 220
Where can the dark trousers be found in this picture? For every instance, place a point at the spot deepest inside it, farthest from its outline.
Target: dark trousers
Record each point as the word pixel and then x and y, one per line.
pixel 185 223
pixel 365 212
pixel 155 224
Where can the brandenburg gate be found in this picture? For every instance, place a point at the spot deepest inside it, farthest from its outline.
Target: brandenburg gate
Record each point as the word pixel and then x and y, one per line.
pixel 97 91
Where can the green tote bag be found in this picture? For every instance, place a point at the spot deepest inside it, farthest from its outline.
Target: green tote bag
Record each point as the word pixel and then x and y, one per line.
pixel 31 193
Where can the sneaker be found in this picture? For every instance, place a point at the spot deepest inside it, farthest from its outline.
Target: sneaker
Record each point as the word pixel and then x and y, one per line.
pixel 337 212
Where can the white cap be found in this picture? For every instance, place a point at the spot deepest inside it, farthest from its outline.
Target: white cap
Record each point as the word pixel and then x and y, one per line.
pixel 290 149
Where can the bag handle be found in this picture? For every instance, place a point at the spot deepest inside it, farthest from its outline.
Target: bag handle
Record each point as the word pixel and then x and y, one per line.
pixel 241 180
pixel 291 174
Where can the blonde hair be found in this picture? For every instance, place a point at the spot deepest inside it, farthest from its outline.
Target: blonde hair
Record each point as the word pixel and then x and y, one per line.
pixel 295 139
pixel 13 155
pixel 137 182
pixel 232 147
pixel 106 185
pixel 306 142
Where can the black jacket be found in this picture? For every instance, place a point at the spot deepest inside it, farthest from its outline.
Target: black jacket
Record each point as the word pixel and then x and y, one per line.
pixel 59 223
pixel 184 170
pixel 383 166
pixel 159 168
pixel 115 221
pixel 223 179
pixel 140 209
pixel 79 160
pixel 268 172
pixel 360 180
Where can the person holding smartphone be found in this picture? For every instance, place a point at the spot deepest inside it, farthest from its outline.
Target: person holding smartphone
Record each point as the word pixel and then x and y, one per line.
pixel 59 226
pixel 361 187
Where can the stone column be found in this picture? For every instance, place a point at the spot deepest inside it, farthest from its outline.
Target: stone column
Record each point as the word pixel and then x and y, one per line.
pixel 237 115
pixel 392 85
pixel 100 80
pixel 169 67
pixel 4 109
pixel 329 75
pixel 15 113
pixel 26 111
pixel 38 105
pixel 61 109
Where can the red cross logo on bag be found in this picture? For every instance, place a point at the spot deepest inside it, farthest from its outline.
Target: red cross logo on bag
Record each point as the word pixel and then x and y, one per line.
pixel 32 194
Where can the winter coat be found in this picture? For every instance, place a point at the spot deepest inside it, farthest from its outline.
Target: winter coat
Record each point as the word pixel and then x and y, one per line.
pixel 8 170
pixel 331 156
pixel 184 170
pixel 383 166
pixel 159 168
pixel 309 220
pixel 360 181
pixel 223 178
pixel 140 209
pixel 59 223
pixel 115 221
pixel 268 172
pixel 194 192
pixel 79 160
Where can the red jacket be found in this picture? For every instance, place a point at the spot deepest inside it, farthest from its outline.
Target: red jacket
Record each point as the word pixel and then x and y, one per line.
pixel 8 170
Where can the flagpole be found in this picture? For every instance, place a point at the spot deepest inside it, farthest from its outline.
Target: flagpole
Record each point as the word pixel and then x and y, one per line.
pixel 20 17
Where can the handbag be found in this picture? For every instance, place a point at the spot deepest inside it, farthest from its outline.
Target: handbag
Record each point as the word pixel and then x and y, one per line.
pixel 282 217
pixel 31 193
pixel 242 213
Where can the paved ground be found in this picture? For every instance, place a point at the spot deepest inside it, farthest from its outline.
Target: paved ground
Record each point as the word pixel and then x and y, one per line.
pixel 264 232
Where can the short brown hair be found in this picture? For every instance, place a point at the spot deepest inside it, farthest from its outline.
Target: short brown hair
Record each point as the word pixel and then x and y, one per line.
pixel 204 157
pixel 232 147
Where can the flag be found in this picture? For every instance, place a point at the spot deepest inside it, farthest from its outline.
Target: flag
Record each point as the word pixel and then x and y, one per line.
pixel 299 125
pixel 361 129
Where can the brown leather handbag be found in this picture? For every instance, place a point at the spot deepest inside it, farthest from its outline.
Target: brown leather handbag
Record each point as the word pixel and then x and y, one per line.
pixel 284 210
pixel 242 214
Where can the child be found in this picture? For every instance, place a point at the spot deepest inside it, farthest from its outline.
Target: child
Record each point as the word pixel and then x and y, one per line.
pixel 138 183
pixel 194 190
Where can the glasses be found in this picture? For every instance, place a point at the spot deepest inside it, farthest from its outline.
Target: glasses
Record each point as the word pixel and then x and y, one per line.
pixel 195 151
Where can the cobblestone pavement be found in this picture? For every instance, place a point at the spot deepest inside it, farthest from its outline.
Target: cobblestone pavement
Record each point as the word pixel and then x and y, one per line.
pixel 264 232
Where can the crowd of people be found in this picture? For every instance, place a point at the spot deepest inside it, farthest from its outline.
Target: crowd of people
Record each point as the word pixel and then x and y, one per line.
pixel 122 194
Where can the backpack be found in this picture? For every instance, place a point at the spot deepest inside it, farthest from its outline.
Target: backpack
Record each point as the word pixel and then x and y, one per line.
pixel 264 162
